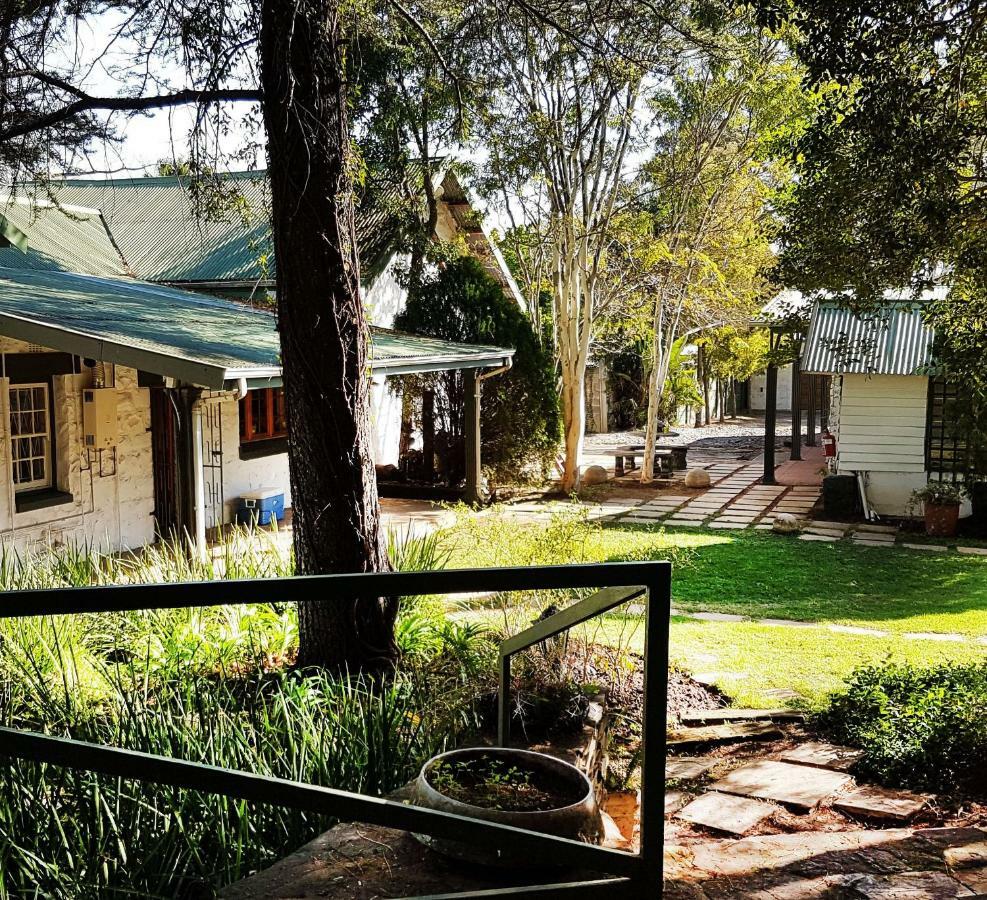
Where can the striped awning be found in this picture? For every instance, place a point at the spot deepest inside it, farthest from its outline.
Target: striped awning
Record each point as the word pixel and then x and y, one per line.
pixel 891 340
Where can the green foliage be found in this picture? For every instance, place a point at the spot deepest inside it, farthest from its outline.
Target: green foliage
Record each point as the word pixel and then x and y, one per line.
pixel 519 409
pixel 209 685
pixel 919 727
pixel 938 493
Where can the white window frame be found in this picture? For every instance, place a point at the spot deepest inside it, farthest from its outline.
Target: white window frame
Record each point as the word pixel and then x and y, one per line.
pixel 44 482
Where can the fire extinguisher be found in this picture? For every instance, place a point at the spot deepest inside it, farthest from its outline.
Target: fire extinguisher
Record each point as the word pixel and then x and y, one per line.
pixel 829 443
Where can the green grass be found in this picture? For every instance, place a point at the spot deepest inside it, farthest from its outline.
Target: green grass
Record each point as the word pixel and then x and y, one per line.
pixel 766 576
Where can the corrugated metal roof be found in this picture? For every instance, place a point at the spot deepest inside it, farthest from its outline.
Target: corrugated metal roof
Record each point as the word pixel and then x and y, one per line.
pixel 73 239
pixel 154 222
pixel 197 338
pixel 892 340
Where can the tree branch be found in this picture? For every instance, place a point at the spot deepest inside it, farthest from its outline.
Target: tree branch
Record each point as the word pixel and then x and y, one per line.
pixel 87 103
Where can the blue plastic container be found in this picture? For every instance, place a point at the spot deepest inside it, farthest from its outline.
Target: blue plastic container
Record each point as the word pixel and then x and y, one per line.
pixel 259 507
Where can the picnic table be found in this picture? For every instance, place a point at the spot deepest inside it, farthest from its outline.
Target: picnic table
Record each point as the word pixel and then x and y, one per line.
pixel 668 457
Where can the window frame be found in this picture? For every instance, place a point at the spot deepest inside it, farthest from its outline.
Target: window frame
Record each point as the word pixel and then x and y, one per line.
pixel 48 482
pixel 274 410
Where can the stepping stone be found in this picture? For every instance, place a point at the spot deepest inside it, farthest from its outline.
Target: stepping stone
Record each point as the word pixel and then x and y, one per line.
pixel 973 551
pixel 819 538
pixel 933 636
pixel 856 629
pixel 719 716
pixel 975 879
pixel 687 768
pixel 821 755
pixel 874 802
pixel 717 617
pixel 734 815
pixel 824 532
pixel 877 529
pixel 683 523
pixel 731 733
pixel 873 536
pixel 909 886
pixel 675 800
pixel 732 526
pixel 967 856
pixel 783 782
pixel 932 548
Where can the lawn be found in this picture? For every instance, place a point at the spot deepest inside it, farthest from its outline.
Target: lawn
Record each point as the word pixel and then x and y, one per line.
pixel 767 576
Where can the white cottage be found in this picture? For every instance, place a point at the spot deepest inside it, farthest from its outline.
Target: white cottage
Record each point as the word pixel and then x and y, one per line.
pixel 129 408
pixel 886 412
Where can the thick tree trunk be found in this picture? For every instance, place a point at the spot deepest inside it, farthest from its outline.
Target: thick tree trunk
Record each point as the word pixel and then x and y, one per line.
pixel 324 342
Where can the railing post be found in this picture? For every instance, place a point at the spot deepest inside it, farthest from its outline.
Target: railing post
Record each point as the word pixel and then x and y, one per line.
pixel 504 702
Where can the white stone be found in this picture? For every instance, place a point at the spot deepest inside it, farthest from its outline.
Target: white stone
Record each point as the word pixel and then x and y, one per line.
pixel 697 478
pixel 785 523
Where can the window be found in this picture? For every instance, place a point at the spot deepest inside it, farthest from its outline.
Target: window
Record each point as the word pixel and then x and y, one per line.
pixel 30 436
pixel 262 415
pixel 945 450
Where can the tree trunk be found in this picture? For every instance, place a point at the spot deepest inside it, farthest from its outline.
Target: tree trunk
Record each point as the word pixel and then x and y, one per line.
pixel 323 329
pixel 574 425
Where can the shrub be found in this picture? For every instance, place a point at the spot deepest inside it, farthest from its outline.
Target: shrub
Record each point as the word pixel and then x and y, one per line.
pixel 521 419
pixel 919 727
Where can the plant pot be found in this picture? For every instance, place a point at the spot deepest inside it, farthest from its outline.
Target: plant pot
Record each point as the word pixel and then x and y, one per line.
pixel 579 819
pixel 941 521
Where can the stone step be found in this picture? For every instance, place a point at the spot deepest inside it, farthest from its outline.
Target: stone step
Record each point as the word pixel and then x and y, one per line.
pixel 821 755
pixel 721 812
pixel 782 782
pixel 687 768
pixel 719 716
pixel 732 733
pixel 873 802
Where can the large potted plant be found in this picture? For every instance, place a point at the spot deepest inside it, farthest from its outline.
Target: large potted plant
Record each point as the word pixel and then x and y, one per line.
pixel 511 787
pixel 941 502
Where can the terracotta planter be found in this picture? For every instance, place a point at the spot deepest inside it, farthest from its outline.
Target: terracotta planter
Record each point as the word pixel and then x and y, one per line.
pixel 579 821
pixel 941 521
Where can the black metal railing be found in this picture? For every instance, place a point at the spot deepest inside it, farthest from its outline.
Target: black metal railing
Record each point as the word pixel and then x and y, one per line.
pixel 623 874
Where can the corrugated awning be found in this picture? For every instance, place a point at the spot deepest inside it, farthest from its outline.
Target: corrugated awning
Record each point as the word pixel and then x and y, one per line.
pixel 892 340
pixel 195 338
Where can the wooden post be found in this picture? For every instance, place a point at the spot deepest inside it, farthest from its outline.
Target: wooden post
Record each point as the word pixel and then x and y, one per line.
pixel 810 413
pixel 796 409
pixel 770 422
pixel 471 427
pixel 428 435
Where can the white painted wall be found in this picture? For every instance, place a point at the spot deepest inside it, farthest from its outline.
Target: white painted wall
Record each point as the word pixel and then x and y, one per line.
pixel 109 511
pixel 759 383
pixel 880 430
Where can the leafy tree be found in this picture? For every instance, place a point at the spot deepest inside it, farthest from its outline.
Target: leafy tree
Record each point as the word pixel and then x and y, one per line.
pixel 892 186
pixel 519 409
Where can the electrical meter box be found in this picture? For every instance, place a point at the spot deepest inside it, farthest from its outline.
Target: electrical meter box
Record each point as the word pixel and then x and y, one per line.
pixel 99 418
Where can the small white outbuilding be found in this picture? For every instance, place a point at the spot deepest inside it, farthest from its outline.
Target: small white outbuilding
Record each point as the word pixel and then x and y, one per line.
pixel 886 412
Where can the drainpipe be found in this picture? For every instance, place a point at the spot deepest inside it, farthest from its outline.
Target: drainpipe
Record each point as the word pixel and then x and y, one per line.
pixel 199 481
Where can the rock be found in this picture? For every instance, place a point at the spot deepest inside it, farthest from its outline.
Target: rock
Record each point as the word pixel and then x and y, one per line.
pixel 687 768
pixel 675 800
pixel 785 523
pixel 969 856
pixel 697 478
pixel 594 475
pixel 719 716
pixel 734 815
pixel 909 886
pixel 787 783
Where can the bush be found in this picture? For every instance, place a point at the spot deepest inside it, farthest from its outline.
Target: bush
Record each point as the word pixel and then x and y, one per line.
pixel 519 410
pixel 923 728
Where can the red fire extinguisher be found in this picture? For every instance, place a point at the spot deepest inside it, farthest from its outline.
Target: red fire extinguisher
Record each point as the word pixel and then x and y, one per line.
pixel 829 443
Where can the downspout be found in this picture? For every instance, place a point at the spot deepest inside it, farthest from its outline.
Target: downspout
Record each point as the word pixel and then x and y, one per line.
pixel 472 435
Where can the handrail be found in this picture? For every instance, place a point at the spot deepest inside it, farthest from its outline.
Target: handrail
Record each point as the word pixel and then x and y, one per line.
pixel 642 871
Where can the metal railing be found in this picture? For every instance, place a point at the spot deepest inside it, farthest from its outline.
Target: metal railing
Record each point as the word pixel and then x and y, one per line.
pixel 617 873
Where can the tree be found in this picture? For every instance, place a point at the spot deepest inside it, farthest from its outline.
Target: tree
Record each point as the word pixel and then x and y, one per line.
pixel 559 133
pixel 708 189
pixel 49 120
pixel 519 409
pixel 892 172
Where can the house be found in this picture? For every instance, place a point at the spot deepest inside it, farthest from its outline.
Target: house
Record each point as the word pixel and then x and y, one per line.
pixel 887 412
pixel 229 252
pixel 130 408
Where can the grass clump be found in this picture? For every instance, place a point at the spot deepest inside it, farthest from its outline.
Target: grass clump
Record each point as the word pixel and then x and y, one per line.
pixel 922 728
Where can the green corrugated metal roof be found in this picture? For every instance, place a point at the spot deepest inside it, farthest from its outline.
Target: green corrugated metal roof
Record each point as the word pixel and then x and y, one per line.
pixel 73 239
pixel 154 222
pixel 192 337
